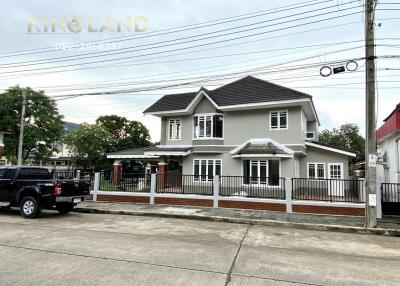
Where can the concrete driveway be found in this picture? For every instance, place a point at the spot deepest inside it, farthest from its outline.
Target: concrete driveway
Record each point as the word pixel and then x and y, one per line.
pixel 94 249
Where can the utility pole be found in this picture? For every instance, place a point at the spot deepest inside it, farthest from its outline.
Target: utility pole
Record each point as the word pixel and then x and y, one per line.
pixel 21 130
pixel 370 142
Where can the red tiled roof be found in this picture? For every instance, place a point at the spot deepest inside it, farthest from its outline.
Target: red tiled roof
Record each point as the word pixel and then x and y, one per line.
pixel 391 125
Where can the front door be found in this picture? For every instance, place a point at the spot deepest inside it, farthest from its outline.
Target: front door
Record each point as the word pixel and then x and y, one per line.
pixel 335 176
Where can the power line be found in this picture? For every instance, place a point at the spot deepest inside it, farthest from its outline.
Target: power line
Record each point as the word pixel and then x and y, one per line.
pixel 236 44
pixel 97 84
pixel 172 41
pixel 184 48
pixel 183 28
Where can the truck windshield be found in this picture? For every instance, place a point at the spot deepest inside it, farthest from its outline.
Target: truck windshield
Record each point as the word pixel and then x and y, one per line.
pixel 34 173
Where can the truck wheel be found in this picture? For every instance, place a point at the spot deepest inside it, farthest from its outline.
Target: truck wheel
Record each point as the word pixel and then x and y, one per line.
pixel 64 209
pixel 29 207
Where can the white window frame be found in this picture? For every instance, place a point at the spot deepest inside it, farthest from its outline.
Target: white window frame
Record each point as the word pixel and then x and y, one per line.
pixel 279 120
pixel 169 129
pixel 341 170
pixel 297 169
pixel 316 170
pixel 204 115
pixel 199 180
pixel 266 172
pixel 313 137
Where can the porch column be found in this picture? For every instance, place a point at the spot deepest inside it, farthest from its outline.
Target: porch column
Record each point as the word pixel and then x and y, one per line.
pixel 117 172
pixel 162 177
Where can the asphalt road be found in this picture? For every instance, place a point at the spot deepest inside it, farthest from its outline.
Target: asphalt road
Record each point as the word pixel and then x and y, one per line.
pixel 94 249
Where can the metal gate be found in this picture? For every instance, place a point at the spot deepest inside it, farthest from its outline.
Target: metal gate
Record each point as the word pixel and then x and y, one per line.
pixel 390 198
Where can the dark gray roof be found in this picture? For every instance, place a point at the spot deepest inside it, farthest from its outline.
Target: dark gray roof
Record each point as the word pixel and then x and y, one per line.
pixel 172 102
pixel 136 151
pixel 70 126
pixel 268 148
pixel 172 149
pixel 243 91
pixel 331 146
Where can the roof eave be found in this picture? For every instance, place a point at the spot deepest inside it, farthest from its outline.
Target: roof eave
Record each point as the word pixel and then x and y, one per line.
pixel 350 154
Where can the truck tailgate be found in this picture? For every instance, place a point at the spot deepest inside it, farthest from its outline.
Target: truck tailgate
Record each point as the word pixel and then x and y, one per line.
pixel 74 188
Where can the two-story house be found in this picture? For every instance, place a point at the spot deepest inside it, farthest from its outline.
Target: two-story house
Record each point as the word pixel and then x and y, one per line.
pixel 250 128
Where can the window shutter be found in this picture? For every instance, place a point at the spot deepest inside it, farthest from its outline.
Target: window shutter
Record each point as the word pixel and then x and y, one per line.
pixel 246 171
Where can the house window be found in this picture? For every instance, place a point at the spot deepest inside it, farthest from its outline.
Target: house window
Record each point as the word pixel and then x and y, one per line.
pixel 335 171
pixel 310 135
pixel 208 126
pixel 174 129
pixel 206 169
pixel 261 172
pixel 316 170
pixel 278 120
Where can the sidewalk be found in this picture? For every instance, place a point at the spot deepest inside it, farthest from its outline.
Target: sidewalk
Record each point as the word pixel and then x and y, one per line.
pixel 306 221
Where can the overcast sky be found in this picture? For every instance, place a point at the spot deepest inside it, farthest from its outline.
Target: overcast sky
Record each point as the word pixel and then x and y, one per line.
pixel 275 45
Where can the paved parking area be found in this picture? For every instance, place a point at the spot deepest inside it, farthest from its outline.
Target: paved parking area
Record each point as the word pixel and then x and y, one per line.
pixel 103 249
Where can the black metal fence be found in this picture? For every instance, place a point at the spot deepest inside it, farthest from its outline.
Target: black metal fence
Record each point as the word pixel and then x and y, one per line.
pixel 74 175
pixel 184 184
pixel 252 187
pixel 390 192
pixel 332 190
pixel 125 182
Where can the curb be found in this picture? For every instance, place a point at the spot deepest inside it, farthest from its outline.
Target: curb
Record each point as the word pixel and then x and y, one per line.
pixel 307 226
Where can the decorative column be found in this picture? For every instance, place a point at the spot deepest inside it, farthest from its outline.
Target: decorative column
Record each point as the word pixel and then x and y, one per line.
pixel 117 172
pixel 162 174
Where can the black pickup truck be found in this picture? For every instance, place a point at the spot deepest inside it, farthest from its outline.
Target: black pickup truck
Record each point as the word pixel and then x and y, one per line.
pixel 33 189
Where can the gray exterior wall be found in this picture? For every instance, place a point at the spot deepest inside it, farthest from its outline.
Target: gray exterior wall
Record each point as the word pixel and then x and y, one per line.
pixel 317 155
pixel 240 126
pixel 312 126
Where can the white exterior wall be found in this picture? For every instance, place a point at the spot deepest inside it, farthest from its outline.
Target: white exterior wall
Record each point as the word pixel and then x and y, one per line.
pixel 390 171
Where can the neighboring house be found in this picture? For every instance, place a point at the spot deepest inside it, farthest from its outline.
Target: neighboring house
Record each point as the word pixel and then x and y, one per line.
pixel 61 158
pixel 250 128
pixel 388 136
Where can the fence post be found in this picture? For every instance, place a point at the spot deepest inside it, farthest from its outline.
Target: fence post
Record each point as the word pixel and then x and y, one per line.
pixel 78 174
pixel 96 185
pixel 153 185
pixel 216 186
pixel 288 194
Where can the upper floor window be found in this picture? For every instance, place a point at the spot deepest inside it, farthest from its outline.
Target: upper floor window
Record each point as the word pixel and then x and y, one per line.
pixel 278 120
pixel 174 129
pixel 208 126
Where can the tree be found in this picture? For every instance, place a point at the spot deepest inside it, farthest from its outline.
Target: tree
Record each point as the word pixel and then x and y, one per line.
pixel 346 136
pixel 43 123
pixel 89 144
pixel 127 134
